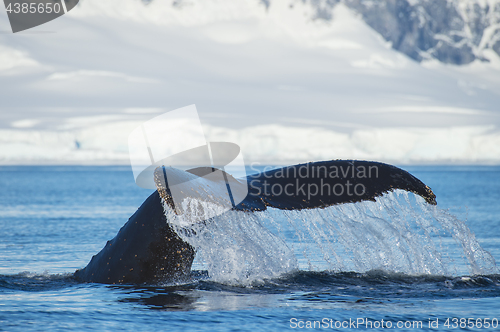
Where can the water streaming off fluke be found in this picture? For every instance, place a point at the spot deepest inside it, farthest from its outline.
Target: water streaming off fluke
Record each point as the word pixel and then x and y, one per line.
pixel 397 233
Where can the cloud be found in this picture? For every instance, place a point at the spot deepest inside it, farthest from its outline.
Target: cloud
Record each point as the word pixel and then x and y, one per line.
pixel 84 74
pixel 11 59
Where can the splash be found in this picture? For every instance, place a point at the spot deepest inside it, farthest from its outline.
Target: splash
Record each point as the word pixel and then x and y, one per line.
pixel 235 247
pixel 398 233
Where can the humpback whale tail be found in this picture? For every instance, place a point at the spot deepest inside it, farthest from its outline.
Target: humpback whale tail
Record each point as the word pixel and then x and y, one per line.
pixel 148 250
pixel 304 186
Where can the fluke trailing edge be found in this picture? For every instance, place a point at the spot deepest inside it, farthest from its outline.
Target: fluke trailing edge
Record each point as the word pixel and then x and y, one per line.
pixel 148 250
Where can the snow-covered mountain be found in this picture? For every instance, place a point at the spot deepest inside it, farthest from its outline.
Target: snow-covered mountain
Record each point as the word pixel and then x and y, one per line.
pixel 288 80
pixel 451 31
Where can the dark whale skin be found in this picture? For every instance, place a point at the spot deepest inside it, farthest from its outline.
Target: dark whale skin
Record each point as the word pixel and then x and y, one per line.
pixel 146 250
pixel 379 179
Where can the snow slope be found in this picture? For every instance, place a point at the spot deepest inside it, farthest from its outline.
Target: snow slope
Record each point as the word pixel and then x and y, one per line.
pixel 283 86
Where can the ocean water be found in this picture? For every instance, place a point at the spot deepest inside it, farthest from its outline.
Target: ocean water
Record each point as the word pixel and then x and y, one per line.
pixel 397 263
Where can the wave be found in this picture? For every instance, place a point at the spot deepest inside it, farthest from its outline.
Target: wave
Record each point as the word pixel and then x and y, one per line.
pixel 304 281
pixel 35 282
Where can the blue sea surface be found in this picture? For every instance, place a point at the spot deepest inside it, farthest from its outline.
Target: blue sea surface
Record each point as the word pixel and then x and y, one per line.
pixel 54 218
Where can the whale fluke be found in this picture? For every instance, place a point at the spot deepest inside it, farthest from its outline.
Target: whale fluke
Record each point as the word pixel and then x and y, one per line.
pixel 321 184
pixel 148 250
